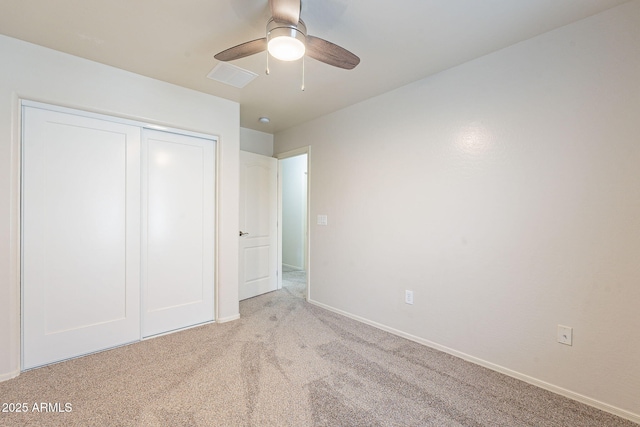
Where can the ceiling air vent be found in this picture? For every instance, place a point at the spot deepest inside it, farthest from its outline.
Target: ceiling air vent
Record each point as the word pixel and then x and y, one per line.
pixel 231 75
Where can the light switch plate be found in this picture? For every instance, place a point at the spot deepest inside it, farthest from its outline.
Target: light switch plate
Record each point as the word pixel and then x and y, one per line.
pixel 322 220
pixel 565 335
pixel 408 297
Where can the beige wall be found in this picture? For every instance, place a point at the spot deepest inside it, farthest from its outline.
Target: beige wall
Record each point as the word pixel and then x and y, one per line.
pixel 40 74
pixel 505 193
pixel 256 142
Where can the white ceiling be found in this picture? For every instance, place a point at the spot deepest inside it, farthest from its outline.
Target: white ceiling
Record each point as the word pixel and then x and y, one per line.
pixel 398 42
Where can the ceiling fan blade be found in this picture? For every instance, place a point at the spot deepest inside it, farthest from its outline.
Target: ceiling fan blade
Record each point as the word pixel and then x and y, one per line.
pixel 285 11
pixel 330 53
pixel 242 50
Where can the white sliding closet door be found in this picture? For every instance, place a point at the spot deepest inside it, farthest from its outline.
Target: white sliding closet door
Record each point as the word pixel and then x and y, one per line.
pixel 178 239
pixel 81 235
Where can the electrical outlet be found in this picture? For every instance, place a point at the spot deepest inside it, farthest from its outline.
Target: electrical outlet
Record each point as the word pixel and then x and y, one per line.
pixel 408 297
pixel 565 335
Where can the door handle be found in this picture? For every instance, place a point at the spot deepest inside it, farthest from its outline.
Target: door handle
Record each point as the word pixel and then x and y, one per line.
pixel 242 233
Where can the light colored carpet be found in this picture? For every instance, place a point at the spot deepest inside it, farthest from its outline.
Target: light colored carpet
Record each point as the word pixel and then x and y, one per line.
pixel 285 363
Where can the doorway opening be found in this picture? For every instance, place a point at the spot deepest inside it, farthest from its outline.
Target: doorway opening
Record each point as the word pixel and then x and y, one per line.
pixel 293 218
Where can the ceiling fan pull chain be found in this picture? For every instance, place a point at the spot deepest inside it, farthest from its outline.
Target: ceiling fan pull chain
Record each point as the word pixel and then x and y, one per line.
pixel 303 73
pixel 267 70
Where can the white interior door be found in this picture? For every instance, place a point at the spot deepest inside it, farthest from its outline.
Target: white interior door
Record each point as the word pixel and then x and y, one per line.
pixel 81 235
pixel 258 220
pixel 178 231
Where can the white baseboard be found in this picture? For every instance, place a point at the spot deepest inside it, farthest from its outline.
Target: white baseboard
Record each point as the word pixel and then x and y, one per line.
pixel 228 318
pixel 531 380
pixel 9 375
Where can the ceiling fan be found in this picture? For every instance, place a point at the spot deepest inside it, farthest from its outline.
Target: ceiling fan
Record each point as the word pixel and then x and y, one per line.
pixel 287 40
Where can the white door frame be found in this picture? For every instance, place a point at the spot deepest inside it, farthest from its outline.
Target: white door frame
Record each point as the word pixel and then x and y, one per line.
pixel 281 156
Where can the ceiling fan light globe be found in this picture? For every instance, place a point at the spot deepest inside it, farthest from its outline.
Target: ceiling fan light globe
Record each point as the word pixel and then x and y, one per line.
pixel 286 48
pixel 286 42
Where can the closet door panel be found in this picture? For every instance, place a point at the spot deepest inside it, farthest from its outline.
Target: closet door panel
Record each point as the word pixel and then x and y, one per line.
pixel 178 240
pixel 81 228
